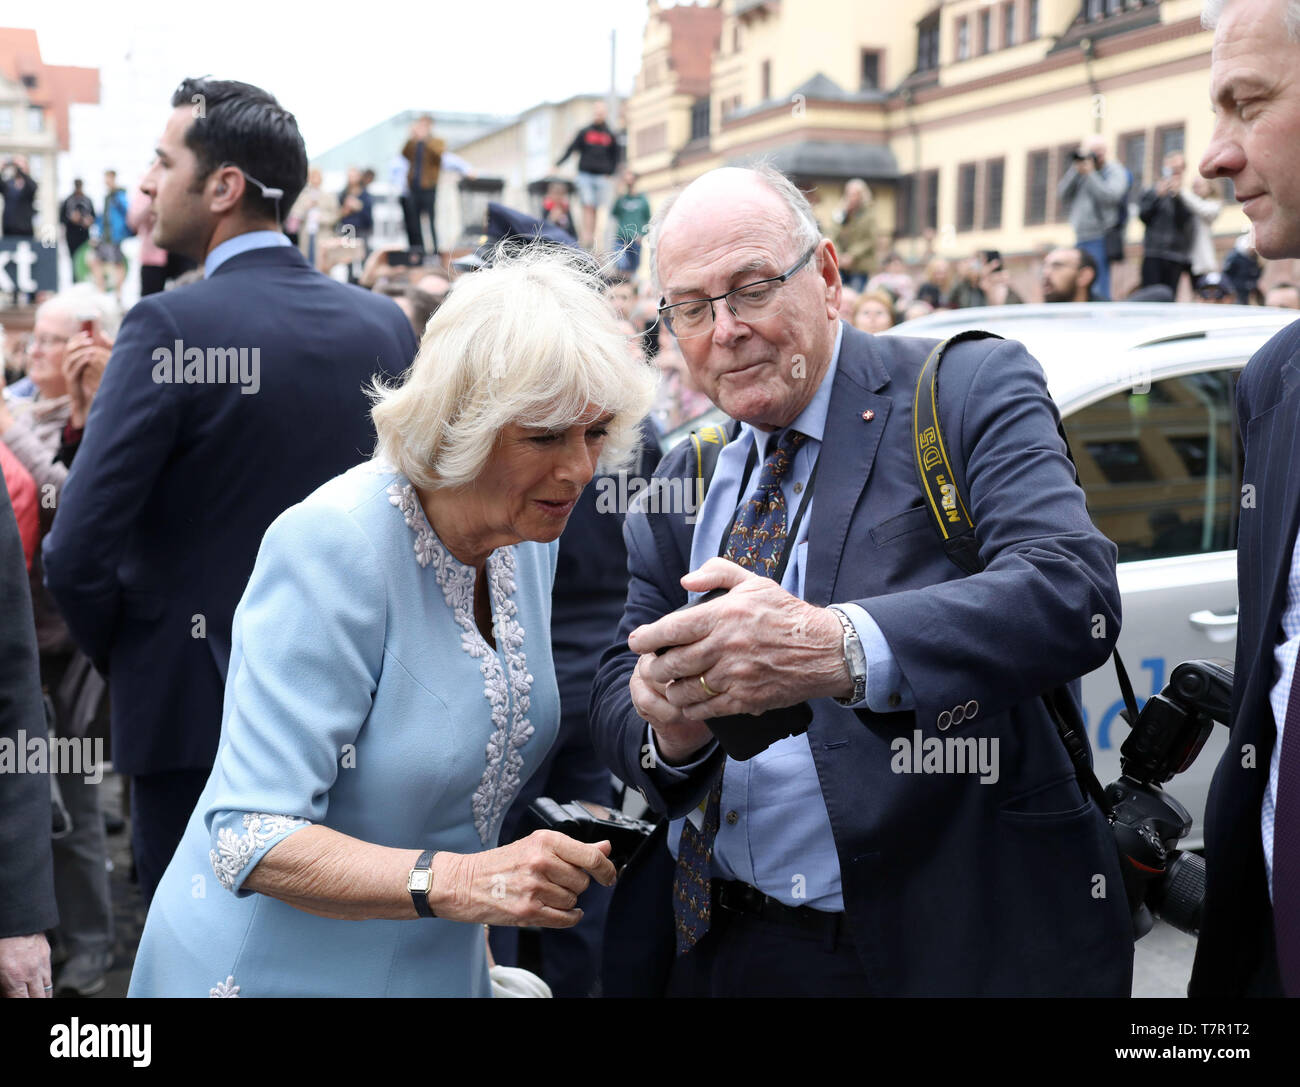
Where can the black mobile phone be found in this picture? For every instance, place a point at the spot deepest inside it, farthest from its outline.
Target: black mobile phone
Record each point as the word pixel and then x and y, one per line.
pixel 411 258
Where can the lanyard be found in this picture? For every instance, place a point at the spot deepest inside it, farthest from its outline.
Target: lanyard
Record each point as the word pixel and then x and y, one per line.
pixel 793 532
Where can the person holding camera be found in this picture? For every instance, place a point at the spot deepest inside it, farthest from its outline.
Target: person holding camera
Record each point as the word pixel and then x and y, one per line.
pixel 1250 933
pixel 19 191
pixel 391 684
pixel 827 864
pixel 1093 189
pixel 1170 227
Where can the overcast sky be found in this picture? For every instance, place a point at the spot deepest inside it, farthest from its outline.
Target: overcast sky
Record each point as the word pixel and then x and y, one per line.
pixel 341 68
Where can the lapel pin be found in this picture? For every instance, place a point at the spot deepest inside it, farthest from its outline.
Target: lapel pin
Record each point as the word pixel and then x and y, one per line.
pixel 868 415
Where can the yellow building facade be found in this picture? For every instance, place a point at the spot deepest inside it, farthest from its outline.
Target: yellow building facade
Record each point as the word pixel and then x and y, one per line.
pixel 960 114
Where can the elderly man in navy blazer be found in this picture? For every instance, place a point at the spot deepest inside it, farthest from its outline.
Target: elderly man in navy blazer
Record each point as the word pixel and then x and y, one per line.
pixel 840 861
pixel 224 403
pixel 1250 934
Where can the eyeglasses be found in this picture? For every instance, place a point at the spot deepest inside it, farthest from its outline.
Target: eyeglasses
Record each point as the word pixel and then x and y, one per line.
pixel 752 302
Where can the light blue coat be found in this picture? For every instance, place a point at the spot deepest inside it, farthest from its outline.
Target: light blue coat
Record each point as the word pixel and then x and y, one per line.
pixel 361 697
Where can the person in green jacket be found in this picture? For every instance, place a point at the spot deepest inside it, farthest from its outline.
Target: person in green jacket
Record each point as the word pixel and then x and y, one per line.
pixel 631 213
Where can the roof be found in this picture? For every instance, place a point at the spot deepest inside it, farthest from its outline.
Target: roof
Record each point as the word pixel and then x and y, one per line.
pixel 829 160
pixel 56 85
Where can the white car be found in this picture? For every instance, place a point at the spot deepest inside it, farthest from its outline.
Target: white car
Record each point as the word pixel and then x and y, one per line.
pixel 1146 391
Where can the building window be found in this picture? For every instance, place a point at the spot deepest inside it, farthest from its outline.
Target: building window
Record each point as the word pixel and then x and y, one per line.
pixel 1064 160
pixel 6 119
pixel 766 77
pixel 905 207
pixel 1133 154
pixel 930 200
pixel 963 38
pixel 917 207
pixel 1031 21
pixel 994 172
pixel 1094 9
pixel 35 120
pixel 1008 25
pixel 927 45
pixel 985 43
pixel 870 74
pixel 966 196
pixel 700 119
pixel 1036 188
pixel 1169 138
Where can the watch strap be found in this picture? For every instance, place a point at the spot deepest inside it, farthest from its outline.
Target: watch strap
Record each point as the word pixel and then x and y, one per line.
pixel 855 658
pixel 421 898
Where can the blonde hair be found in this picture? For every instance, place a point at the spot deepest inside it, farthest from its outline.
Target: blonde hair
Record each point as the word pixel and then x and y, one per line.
pixel 529 340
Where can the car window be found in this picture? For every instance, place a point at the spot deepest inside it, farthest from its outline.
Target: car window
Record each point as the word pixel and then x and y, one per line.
pixel 1162 466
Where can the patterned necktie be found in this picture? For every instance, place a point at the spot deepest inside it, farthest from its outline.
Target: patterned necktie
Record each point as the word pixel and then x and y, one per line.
pixel 1286 847
pixel 756 542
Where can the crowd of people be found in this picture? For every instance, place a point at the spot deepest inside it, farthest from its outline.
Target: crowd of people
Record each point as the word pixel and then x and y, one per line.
pixel 338 562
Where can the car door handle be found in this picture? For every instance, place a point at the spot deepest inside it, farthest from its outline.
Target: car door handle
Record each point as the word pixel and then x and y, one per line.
pixel 1209 620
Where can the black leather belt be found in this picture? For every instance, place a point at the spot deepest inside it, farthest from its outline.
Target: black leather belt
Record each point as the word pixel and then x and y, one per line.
pixel 742 898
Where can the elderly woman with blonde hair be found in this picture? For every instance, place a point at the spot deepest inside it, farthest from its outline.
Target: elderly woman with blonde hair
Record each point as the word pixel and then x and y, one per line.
pixel 391 683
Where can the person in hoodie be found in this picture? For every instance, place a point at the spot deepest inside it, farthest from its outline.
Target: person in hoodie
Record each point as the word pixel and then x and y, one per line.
pixel 599 153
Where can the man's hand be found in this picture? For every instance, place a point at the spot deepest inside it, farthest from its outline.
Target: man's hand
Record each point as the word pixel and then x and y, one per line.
pixel 1085 166
pixel 677 737
pixel 24 966
pixel 757 648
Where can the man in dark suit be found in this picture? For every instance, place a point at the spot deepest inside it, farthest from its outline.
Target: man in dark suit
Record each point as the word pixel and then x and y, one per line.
pixel 224 402
pixel 862 857
pixel 27 906
pixel 1250 932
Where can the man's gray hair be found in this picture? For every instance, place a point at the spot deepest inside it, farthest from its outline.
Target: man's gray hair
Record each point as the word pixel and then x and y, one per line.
pixel 1212 12
pixel 806 230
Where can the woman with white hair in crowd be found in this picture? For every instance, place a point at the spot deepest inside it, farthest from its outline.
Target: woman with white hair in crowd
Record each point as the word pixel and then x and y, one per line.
pixel 391 682
pixel 69 352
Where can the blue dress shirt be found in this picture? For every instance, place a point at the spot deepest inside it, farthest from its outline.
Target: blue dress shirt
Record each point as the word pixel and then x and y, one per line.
pixel 775 833
pixel 242 243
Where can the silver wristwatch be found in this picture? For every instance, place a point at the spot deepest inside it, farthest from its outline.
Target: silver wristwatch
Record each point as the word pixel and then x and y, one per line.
pixel 854 656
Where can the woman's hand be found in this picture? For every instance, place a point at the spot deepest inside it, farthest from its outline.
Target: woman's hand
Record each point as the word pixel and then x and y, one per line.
pixel 83 367
pixel 535 881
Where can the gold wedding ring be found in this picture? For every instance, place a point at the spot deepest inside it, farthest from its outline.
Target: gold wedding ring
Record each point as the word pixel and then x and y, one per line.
pixel 707 689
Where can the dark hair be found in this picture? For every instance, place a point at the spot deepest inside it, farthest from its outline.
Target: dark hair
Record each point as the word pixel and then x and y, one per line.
pixel 244 125
pixel 1087 260
pixel 423 306
pixel 618 279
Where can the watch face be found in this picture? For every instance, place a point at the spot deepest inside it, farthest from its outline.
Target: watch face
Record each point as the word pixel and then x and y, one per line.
pixel 419 881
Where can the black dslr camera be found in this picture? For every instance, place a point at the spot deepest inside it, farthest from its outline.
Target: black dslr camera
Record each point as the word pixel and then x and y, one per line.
pixel 589 822
pixel 744 735
pixel 1082 156
pixel 1148 823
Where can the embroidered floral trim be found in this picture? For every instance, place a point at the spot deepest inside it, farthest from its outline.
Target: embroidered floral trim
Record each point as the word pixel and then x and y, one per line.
pixel 226 988
pixel 235 852
pixel 507 691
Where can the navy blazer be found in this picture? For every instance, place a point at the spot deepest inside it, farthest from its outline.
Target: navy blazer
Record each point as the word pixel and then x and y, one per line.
pixel 950 886
pixel 1236 940
pixel 160 519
